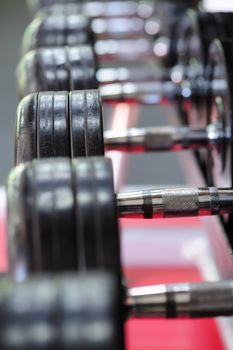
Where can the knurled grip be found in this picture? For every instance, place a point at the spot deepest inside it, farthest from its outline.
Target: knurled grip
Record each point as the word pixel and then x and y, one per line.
pixel 159 141
pixel 181 200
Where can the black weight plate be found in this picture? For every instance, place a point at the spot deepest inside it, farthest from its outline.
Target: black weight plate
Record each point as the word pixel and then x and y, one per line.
pixel 61 125
pixel 36 72
pixel 220 172
pixel 74 312
pixel 97 231
pixel 86 123
pixel 106 214
pixel 82 67
pixel 63 216
pixel 45 125
pixel 57 69
pixel 54 222
pixel 62 70
pixel 20 201
pixel 85 202
pixel 41 218
pixel 57 30
pixel 26 126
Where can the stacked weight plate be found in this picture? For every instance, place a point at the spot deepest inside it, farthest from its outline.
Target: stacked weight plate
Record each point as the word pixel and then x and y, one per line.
pixel 68 290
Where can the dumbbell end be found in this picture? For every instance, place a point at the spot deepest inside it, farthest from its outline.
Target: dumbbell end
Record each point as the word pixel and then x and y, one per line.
pixel 182 300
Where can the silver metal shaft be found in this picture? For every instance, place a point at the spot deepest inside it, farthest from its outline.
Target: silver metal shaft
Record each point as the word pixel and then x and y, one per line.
pixel 124 49
pixel 156 139
pixel 118 9
pixel 120 27
pixel 175 203
pixel 135 73
pixel 166 138
pixel 181 300
pixel 144 92
pixel 161 92
pixel 122 46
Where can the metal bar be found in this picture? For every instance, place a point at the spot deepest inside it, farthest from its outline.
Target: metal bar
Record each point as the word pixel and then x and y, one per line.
pixel 175 203
pixel 184 300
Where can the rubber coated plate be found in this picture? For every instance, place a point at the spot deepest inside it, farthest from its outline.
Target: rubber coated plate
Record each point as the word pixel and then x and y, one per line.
pixel 220 158
pixel 26 126
pixel 61 125
pixel 61 66
pixel 45 127
pixel 57 69
pixel 97 233
pixel 86 123
pixel 58 305
pixel 41 217
pixel 57 30
pixel 20 199
pixel 63 216
pixel 82 67
pixel 37 72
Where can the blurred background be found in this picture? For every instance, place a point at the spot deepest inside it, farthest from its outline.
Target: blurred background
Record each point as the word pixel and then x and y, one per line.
pixel 13 20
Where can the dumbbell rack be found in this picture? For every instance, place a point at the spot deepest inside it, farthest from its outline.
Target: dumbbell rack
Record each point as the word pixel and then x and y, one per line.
pixel 203 254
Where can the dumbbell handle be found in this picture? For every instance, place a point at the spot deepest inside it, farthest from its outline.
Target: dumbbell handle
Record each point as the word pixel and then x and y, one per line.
pixel 124 74
pixel 124 49
pixel 161 92
pixel 175 203
pixel 164 138
pixel 181 300
pixel 120 27
pixel 118 9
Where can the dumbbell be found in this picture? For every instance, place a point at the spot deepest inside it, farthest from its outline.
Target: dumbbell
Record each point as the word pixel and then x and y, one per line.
pixel 63 214
pixel 56 30
pixel 62 124
pixel 143 9
pixel 90 309
pixel 52 30
pixel 74 68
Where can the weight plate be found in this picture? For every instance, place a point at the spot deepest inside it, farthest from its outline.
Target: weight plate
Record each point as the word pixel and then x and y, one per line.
pixel 36 72
pixel 82 67
pixel 86 123
pixel 41 218
pixel 45 125
pixel 57 30
pixel 20 201
pixel 96 217
pixel 57 69
pixel 63 235
pixel 61 125
pixel 74 312
pixel 62 70
pixel 63 216
pixel 26 126
pixel 220 157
